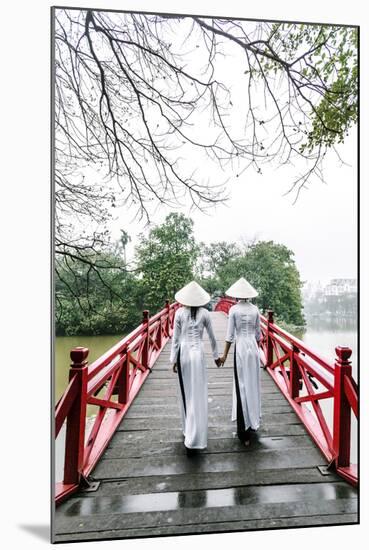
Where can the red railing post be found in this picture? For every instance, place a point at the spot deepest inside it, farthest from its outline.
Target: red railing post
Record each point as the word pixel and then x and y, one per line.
pixel 167 305
pixel 269 343
pixel 159 333
pixel 342 410
pixel 76 419
pixel 294 373
pixel 146 346
pixel 123 386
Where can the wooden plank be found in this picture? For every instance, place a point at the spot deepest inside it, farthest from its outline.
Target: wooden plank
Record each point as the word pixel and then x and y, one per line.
pixel 212 385
pixel 161 378
pixel 213 375
pixel 207 499
pixel 230 445
pixel 216 432
pixel 75 516
pixel 173 399
pixel 212 480
pixel 163 371
pixel 214 527
pixel 219 462
pixel 172 422
pixel 172 391
pixel 215 408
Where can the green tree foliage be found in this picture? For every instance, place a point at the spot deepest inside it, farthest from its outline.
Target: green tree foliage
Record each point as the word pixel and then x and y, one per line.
pixel 110 300
pixel 95 302
pixel 271 269
pixel 215 255
pixel 166 260
pixel 338 66
pixel 327 56
pixel 212 258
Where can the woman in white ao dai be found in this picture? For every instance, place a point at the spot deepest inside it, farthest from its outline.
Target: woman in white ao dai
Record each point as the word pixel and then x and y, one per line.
pixel 244 330
pixel 188 359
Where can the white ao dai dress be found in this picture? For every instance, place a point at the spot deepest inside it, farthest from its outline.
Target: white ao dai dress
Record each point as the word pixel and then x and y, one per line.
pixel 244 331
pixel 188 352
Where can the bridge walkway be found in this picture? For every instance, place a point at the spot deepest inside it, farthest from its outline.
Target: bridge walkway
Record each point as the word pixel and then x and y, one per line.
pixel 148 486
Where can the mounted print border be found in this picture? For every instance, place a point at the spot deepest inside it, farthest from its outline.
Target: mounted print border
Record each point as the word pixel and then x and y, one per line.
pixel 156 116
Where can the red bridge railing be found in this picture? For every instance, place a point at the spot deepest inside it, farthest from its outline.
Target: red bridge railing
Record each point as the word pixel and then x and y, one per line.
pixel 122 370
pixel 304 377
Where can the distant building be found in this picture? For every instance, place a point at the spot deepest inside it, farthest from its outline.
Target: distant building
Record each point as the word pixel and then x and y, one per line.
pixel 338 298
pixel 338 287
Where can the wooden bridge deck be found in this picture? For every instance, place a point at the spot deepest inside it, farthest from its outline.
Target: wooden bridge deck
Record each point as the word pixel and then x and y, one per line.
pixel 150 487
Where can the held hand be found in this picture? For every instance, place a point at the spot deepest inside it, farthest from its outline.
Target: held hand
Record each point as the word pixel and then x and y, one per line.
pixel 174 367
pixel 223 359
pixel 218 362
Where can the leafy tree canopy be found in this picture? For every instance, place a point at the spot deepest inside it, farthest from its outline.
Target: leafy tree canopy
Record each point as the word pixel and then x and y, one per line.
pixel 166 259
pixel 215 255
pixel 91 301
pixel 324 57
pixel 271 269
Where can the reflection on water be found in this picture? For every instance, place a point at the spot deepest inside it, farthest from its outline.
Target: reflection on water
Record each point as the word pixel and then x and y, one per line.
pixel 192 499
pixel 63 344
pixel 213 498
pixel 324 335
pixel 331 324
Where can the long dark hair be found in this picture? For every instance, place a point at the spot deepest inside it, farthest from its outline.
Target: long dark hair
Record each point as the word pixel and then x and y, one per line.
pixel 194 312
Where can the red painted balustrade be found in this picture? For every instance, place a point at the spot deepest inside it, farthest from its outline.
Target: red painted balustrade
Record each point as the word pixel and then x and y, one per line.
pixel 121 371
pixel 305 378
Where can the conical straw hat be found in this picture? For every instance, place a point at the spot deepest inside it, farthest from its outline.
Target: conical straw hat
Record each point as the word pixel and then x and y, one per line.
pixel 192 295
pixel 241 289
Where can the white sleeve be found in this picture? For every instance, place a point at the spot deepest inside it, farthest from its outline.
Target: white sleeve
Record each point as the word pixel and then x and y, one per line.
pixel 175 338
pixel 257 327
pixel 231 326
pixel 210 331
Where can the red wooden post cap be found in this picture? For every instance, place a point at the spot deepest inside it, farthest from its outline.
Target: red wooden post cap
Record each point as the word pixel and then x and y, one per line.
pixel 167 302
pixel 343 354
pixel 270 315
pixel 145 314
pixel 79 356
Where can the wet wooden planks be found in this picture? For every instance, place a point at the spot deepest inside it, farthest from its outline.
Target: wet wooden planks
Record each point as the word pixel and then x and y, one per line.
pixel 149 487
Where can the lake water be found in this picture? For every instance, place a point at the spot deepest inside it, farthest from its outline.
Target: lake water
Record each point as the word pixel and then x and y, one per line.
pixel 63 344
pixel 322 335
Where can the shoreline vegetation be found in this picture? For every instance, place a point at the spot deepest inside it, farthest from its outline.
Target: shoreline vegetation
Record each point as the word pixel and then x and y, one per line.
pixel 339 321
pixel 111 300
